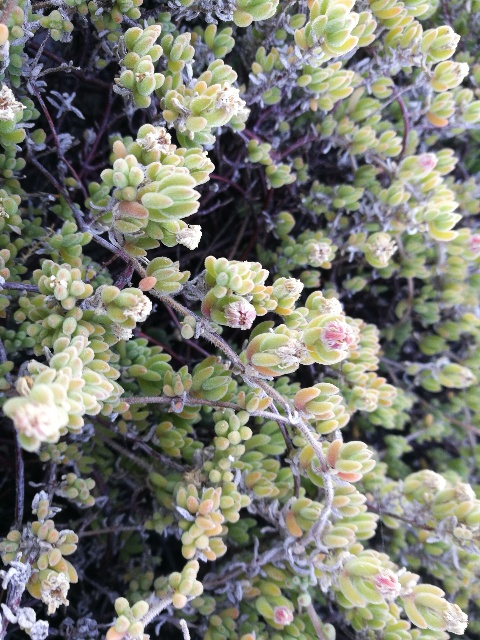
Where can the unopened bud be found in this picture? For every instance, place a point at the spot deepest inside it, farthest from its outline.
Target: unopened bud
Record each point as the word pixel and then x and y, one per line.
pixel 282 615
pixel 240 314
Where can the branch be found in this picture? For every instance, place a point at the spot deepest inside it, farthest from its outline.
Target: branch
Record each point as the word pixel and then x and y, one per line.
pixel 78 73
pixel 295 419
pixel 378 510
pixel 103 127
pixel 124 452
pixel 114 529
pixel 296 145
pixel 20 286
pixel 78 214
pixel 185 631
pixel 155 609
pixel 406 127
pixel 19 483
pixel 192 401
pixel 57 142
pixel 315 620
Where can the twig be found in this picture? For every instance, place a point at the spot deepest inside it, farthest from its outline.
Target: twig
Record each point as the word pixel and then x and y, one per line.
pixel 63 67
pixel 418 525
pixel 192 401
pixel 185 631
pixel 20 286
pixel 158 343
pixel 299 143
pixel 315 620
pixel 410 281
pixel 164 460
pixel 3 352
pixel 100 132
pixel 188 400
pixel 406 127
pixel 155 609
pixel 446 11
pixel 77 213
pixel 19 483
pixel 115 529
pixel 124 452
pixel 79 74
pixel 239 236
pixel 455 421
pixel 57 141
pixel 215 176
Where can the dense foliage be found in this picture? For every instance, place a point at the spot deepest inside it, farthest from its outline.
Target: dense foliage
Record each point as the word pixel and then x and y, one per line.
pixel 240 328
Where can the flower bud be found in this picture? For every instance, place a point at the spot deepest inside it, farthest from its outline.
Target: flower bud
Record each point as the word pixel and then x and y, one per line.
pixel 240 315
pixel 190 236
pixel 282 615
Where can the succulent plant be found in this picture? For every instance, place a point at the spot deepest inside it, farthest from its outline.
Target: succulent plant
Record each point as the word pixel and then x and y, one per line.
pixel 239 347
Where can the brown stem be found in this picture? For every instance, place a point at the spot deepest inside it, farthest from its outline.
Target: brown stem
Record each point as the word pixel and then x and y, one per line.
pixel 77 213
pixel 215 176
pixel 57 142
pixel 459 423
pixel 100 133
pixel 76 72
pixel 410 281
pixel 141 334
pixel 299 143
pixel 124 452
pixel 239 237
pixel 108 530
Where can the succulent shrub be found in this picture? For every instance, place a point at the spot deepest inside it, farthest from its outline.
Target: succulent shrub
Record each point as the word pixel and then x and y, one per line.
pixel 240 330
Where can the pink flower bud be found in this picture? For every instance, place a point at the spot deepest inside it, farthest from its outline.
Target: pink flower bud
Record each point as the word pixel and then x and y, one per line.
pixel 282 615
pixel 474 243
pixel 427 161
pixel 240 314
pixel 35 419
pixel 338 335
pixel 387 584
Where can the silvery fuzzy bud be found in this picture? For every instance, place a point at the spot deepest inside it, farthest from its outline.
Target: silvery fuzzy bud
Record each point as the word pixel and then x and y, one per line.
pixel 190 236
pixel 9 106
